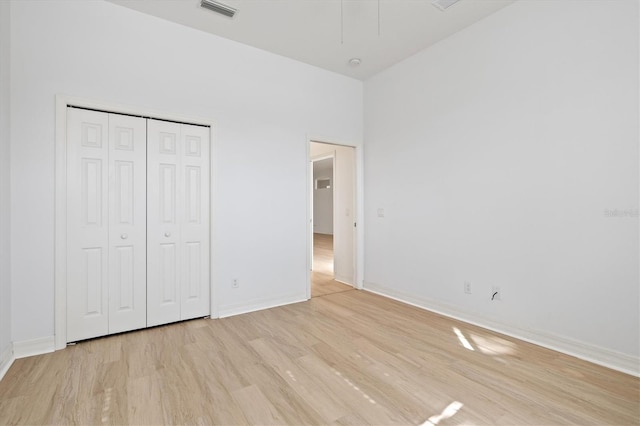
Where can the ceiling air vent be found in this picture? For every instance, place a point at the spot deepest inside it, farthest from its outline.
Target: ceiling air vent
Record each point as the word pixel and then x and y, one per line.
pixel 442 4
pixel 218 7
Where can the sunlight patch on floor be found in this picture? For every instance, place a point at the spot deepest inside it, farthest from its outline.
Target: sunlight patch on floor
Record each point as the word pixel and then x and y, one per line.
pixel 448 412
pixel 463 340
pixel 493 345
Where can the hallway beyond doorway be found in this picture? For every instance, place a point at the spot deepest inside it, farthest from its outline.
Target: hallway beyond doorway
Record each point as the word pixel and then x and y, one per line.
pixel 322 282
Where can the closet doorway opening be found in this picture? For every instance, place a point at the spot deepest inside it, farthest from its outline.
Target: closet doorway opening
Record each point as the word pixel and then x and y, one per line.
pixel 332 205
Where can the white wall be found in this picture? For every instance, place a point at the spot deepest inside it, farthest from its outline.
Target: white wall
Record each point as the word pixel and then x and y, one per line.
pixel 344 209
pixel 323 198
pixel 5 208
pixel 496 154
pixel 264 106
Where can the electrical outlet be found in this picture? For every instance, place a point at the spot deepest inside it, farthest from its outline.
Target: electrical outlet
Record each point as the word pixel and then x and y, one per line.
pixel 467 287
pixel 495 293
pixel 235 283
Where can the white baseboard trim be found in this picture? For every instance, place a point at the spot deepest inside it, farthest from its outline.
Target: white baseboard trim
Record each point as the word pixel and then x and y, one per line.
pixel 595 354
pixel 6 360
pixel 258 305
pixel 344 280
pixel 25 348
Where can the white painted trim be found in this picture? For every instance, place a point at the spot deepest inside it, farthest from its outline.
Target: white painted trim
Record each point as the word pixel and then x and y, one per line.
pixel 595 354
pixel 309 236
pixel 213 170
pixel 323 156
pixel 344 280
pixel 60 232
pixel 258 305
pixel 25 348
pixel 6 360
pixel 359 283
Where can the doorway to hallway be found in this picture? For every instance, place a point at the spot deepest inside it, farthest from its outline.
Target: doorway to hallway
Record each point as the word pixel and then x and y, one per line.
pixel 332 231
pixel 322 282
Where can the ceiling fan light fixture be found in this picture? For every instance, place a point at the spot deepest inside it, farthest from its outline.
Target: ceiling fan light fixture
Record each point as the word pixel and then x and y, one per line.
pixel 444 4
pixel 218 7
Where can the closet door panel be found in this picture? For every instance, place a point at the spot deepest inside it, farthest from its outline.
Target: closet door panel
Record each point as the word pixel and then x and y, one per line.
pixel 127 223
pixel 87 224
pixel 195 222
pixel 163 222
pixel 137 223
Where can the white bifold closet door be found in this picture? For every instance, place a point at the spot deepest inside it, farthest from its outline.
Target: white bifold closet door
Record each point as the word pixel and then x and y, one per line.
pixel 106 223
pixel 137 223
pixel 177 222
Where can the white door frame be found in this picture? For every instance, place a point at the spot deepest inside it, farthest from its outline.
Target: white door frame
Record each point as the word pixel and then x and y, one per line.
pixel 60 185
pixel 359 213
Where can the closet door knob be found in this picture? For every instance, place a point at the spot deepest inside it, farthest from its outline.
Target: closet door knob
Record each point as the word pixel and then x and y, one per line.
pixel 167 234
pixel 124 236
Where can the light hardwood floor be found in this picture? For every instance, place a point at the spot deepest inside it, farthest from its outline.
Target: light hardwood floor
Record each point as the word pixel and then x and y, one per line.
pixel 322 282
pixel 347 358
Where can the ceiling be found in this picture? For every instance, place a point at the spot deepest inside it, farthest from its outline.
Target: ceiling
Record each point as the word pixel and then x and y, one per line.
pixel 328 33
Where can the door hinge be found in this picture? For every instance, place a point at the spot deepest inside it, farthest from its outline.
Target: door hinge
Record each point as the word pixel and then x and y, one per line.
pixel 354 224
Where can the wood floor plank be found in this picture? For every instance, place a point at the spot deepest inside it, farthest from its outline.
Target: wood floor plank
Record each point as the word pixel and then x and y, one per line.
pixel 140 412
pixel 258 408
pixel 324 403
pixel 290 404
pixel 353 393
pixel 322 282
pixel 344 358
